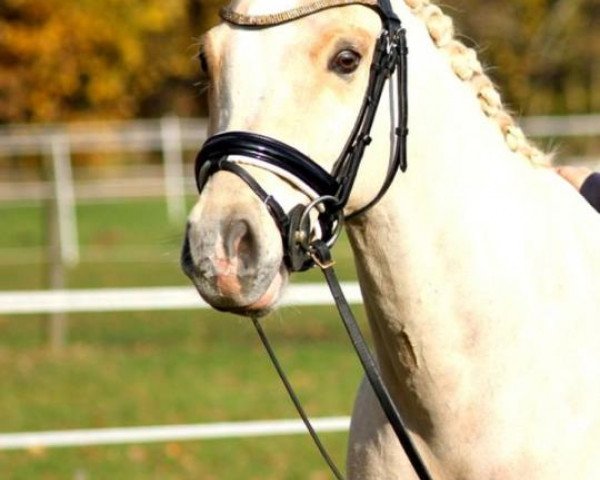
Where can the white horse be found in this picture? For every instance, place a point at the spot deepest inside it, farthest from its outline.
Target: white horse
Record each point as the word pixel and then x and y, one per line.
pixel 480 268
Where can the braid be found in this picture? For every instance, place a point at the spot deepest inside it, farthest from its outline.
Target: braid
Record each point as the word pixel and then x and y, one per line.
pixel 467 67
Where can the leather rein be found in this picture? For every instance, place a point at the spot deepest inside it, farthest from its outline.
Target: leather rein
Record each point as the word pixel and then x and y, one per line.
pixel 329 192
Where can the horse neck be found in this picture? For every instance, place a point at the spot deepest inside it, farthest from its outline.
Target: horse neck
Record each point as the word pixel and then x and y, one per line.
pixel 419 252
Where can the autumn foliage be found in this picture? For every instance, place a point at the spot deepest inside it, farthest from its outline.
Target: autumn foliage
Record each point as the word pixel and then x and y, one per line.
pixel 73 59
pixel 544 54
pixel 63 59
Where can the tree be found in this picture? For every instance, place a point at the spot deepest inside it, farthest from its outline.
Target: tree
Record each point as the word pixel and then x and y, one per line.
pixel 543 53
pixel 204 14
pixel 62 60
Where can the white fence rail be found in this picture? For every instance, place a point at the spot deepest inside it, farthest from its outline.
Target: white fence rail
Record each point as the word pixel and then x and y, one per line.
pixel 149 135
pixel 167 433
pixel 147 299
pixel 170 136
pixel 562 126
pixel 104 136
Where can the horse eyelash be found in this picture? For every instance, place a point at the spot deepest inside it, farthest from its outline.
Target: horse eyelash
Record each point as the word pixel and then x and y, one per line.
pixel 202 85
pixel 201 57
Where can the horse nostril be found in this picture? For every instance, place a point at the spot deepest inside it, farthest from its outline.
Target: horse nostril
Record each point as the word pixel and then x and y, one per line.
pixel 186 260
pixel 241 243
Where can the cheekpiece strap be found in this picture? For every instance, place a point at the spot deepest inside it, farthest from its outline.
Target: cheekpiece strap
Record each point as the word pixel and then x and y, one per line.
pixel 387 11
pixel 258 21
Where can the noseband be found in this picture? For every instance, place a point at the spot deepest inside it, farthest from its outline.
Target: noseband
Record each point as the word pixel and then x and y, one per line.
pixel 328 192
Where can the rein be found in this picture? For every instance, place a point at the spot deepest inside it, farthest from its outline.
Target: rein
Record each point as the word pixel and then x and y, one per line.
pixel 329 192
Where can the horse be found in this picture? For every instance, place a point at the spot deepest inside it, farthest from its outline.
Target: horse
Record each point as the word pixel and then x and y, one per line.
pixel 479 267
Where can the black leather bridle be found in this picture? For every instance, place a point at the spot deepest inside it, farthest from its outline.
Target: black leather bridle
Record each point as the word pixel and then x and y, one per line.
pixel 331 191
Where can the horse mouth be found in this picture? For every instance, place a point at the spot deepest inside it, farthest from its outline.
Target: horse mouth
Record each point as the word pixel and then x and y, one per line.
pixel 232 288
pixel 266 303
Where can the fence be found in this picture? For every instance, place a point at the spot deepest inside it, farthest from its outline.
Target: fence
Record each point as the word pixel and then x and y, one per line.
pixel 167 433
pixel 170 136
pixel 562 126
pixel 146 299
pixel 172 298
pixel 58 143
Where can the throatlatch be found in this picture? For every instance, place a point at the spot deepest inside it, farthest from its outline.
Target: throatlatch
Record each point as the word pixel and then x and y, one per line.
pixel 329 192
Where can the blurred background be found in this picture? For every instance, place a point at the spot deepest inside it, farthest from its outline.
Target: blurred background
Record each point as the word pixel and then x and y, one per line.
pixel 100 117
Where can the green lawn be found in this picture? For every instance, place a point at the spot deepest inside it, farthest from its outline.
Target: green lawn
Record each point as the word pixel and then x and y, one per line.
pixel 153 368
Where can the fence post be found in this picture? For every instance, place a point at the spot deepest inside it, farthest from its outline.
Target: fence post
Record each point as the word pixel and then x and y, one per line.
pixel 170 131
pixel 63 244
pixel 64 194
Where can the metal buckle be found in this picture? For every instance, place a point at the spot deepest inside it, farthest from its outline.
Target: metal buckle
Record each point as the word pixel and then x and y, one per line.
pixel 319 205
pixel 320 263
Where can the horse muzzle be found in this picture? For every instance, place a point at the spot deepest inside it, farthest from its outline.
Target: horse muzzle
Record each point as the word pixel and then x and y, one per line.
pixel 234 258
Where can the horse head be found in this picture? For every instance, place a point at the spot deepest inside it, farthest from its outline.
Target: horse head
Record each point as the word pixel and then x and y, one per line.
pixel 301 82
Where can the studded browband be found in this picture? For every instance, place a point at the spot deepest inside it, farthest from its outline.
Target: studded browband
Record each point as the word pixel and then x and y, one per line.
pixel 242 20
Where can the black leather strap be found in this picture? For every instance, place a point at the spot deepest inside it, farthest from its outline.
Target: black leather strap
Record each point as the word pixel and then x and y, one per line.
pixel 321 251
pixel 269 150
pixel 295 400
pixel 388 13
pixel 389 56
pixel 398 158
pixel 281 218
pixel 323 258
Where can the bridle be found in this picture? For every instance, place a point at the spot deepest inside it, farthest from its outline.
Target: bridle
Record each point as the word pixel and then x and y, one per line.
pixel 328 192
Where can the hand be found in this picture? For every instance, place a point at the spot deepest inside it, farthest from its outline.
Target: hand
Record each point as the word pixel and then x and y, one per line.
pixel 574 175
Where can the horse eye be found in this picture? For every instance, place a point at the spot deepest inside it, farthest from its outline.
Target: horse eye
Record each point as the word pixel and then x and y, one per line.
pixel 345 62
pixel 203 62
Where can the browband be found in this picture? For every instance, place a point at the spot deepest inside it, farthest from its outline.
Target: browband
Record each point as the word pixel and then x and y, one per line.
pixel 242 20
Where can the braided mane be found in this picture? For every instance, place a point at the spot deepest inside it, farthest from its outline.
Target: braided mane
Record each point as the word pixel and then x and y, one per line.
pixel 466 66
pixel 463 61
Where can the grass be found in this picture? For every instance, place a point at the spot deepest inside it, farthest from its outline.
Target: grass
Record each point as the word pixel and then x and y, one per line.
pixel 180 368
pixel 153 368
